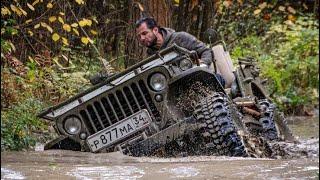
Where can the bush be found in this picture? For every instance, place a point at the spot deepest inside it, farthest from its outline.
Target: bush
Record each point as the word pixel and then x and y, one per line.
pixel 19 125
pixel 288 55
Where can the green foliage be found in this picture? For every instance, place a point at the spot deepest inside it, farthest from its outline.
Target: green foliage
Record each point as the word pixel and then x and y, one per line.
pixel 23 96
pixel 19 124
pixel 291 64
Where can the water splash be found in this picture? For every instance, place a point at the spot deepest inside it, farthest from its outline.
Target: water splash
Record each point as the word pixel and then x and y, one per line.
pixel 10 174
pixel 107 172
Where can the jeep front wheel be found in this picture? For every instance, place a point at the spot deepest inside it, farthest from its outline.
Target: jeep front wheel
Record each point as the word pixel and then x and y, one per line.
pixel 217 130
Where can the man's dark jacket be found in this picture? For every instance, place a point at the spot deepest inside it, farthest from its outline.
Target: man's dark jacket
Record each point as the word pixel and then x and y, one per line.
pixel 184 40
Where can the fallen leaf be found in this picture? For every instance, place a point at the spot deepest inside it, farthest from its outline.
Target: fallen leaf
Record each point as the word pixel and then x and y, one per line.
pixel 60 20
pixel 52 18
pixel 281 8
pixel 15 9
pixel 65 41
pixel 267 16
pixel 55 37
pixel 74 25
pixel 289 22
pixel 30 7
pixel 30 33
pixel 227 4
pixel 263 5
pixel 28 21
pixel 35 2
pixel 43 24
pixel 84 40
pixel 37 26
pixel 140 6
pixel 23 11
pixel 5 11
pixel 291 10
pixel 93 32
pixel 75 31
pixel 49 29
pixel 292 18
pixel 67 27
pixel 82 23
pixel 89 22
pixel 257 11
pixel 49 5
pixel 80 1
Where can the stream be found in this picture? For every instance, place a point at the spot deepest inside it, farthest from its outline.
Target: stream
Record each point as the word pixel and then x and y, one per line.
pixel 61 164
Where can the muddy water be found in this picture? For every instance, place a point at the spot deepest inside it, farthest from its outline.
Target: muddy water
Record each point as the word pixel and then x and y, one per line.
pixel 55 164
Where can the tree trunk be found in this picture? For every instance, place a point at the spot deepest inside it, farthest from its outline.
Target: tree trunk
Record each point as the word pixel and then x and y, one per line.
pixel 194 17
pixel 159 10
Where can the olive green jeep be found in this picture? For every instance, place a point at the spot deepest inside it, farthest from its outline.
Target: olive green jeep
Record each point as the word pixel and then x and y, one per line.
pixel 170 102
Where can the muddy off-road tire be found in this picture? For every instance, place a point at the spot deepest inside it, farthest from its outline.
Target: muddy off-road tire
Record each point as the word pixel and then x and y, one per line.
pixel 216 127
pixel 274 124
pixel 267 120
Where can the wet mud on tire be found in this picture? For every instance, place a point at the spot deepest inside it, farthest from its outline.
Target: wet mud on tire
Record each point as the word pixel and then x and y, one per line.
pixel 267 120
pixel 218 131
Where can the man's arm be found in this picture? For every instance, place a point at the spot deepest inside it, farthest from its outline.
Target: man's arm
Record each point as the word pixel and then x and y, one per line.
pixel 190 42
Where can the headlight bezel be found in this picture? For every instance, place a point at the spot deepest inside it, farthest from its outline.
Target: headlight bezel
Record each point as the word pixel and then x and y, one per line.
pixel 152 81
pixel 187 64
pixel 76 122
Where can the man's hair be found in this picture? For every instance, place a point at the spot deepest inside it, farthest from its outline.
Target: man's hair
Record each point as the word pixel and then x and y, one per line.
pixel 150 22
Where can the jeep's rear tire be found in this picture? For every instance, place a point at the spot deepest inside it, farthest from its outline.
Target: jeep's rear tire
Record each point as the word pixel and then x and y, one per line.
pixel 218 132
pixel 274 125
pixel 267 120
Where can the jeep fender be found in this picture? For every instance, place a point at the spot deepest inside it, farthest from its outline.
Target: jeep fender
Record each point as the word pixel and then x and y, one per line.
pixel 196 74
pixel 181 83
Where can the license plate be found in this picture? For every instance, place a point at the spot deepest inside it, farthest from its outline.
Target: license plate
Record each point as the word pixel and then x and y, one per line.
pixel 118 131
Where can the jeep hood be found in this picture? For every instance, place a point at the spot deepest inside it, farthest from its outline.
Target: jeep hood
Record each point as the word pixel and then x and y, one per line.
pixel 160 58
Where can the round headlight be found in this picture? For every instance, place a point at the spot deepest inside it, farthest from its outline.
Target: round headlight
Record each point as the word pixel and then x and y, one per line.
pixel 158 82
pixel 72 125
pixel 185 64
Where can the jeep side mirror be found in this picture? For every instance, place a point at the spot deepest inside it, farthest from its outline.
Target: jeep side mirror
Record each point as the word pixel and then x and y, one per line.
pixel 211 36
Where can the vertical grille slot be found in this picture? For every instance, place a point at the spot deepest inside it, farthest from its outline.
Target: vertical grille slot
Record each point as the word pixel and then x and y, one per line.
pixel 115 104
pixel 132 99
pixel 124 103
pixel 101 114
pixel 94 118
pixel 89 125
pixel 105 112
pixel 98 116
pixel 140 98
pixel 110 111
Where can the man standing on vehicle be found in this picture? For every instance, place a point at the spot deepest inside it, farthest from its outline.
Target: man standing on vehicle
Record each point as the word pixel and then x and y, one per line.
pixel 157 38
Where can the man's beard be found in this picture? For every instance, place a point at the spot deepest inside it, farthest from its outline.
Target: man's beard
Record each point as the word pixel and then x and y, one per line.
pixel 154 42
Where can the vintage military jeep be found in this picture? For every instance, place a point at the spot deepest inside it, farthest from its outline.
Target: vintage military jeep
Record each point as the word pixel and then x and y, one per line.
pixel 169 98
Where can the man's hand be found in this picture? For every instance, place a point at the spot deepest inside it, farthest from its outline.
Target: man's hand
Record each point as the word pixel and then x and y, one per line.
pixel 202 64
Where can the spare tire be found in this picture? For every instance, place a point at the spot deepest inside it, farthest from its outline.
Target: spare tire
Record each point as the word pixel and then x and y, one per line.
pixel 218 132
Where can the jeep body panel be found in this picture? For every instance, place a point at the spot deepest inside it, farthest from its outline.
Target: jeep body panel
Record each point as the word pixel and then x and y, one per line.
pixel 126 93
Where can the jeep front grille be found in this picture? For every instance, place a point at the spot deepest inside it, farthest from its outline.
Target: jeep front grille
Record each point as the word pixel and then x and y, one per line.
pixel 110 108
